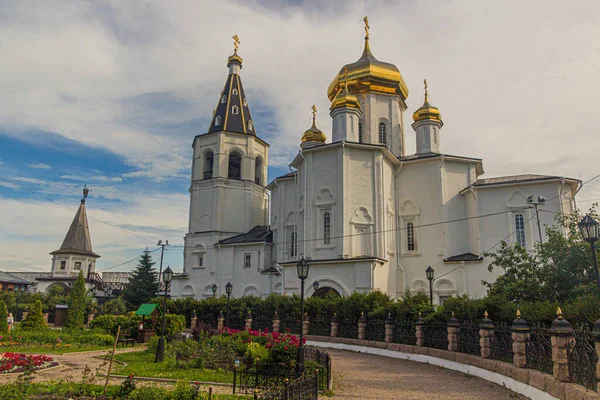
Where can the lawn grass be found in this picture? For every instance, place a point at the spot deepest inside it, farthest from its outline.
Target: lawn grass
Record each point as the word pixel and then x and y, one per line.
pixel 49 350
pixel 141 363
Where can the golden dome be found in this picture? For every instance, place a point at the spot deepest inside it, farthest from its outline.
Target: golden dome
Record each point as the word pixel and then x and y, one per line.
pixel 369 75
pixel 234 58
pixel 427 111
pixel 314 134
pixel 345 98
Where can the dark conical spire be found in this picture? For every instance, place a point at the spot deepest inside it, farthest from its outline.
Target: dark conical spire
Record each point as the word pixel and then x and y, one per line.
pixel 78 239
pixel 232 113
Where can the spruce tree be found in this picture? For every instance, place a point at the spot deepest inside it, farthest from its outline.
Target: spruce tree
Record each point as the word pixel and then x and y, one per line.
pixel 34 318
pixel 76 304
pixel 143 284
pixel 3 318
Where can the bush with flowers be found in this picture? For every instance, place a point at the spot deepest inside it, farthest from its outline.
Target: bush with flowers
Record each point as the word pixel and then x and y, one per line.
pixel 46 338
pixel 18 362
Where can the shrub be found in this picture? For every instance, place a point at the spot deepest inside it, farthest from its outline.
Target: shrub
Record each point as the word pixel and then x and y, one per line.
pixel 46 336
pixel 149 393
pixel 114 306
pixel 3 317
pixel 35 318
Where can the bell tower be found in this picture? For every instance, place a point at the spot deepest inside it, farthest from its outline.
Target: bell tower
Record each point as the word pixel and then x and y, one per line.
pixel 229 171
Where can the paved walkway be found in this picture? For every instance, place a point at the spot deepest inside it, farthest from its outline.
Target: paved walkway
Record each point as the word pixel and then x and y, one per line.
pixel 366 376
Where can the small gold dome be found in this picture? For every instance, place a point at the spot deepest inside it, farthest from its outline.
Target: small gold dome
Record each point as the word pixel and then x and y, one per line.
pixel 369 75
pixel 234 58
pixel 427 111
pixel 314 134
pixel 345 98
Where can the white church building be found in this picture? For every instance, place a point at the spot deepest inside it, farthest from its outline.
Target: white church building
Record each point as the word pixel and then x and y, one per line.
pixel 366 215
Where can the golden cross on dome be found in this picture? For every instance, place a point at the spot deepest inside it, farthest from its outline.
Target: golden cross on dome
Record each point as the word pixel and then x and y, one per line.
pixel 314 111
pixel 236 42
pixel 426 92
pixel 366 19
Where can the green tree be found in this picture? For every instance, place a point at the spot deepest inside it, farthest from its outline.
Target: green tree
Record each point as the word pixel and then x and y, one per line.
pixel 3 316
pixel 76 304
pixel 143 283
pixel 560 269
pixel 35 317
pixel 55 294
pixel 114 306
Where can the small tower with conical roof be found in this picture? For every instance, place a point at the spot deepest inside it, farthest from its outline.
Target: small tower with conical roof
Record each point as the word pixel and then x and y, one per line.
pixel 427 125
pixel 313 136
pixel 75 253
pixel 346 115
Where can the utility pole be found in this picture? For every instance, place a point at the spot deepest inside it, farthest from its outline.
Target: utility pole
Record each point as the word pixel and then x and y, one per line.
pixel 162 252
pixel 535 203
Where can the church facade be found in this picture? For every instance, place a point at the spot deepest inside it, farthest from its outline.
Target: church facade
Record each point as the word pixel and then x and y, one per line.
pixel 365 215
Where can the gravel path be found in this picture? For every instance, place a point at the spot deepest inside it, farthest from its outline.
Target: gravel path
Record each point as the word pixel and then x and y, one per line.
pixel 366 376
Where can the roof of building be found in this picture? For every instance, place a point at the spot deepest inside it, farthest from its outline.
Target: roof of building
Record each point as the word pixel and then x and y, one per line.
pixel 10 278
pixel 147 309
pixel 422 156
pixel 260 233
pixel 232 113
pixel 339 259
pixel 517 179
pixel 78 239
pixel 465 257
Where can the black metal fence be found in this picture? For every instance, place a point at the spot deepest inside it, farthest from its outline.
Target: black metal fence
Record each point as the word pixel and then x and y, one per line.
pixel 436 335
pixel 375 330
pixel 539 349
pixel 468 338
pixel 290 326
pixel 261 376
pixel 304 388
pixel 405 333
pixel 318 362
pixel 348 329
pixel 237 324
pixel 261 324
pixel 319 327
pixel 501 344
pixel 582 358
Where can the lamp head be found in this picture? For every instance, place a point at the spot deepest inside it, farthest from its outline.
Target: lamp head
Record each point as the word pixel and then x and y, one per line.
pixel 429 272
pixel 167 275
pixel 214 288
pixel 302 269
pixel 589 229
pixel 316 286
pixel 228 288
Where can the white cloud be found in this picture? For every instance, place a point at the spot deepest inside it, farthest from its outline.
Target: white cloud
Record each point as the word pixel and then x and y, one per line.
pixel 96 178
pixel 28 180
pixel 39 166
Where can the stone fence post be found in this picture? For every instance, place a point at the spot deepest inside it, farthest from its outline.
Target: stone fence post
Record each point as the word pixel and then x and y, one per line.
pixel 362 327
pixel 276 322
pixel 334 324
pixel 486 332
pixel 193 320
pixel 520 336
pixel 90 318
pixel 561 336
pixel 419 331
pixel 389 328
pixel 453 327
pixel 248 321
pixel 596 336
pixel 220 321
pixel 305 325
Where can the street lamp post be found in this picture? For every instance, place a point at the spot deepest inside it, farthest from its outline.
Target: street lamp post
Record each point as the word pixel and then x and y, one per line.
pixel 160 350
pixel 214 290
pixel 162 253
pixel 589 231
pixel 540 202
pixel 302 269
pixel 228 290
pixel 429 271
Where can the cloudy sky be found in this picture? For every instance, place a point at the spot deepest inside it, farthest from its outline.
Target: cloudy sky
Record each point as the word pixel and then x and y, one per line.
pixel 111 93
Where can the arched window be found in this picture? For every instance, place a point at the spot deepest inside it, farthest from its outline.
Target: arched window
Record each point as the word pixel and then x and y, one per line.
pixel 258 171
pixel 410 236
pixel 208 165
pixel 217 120
pixel 224 99
pixel 293 244
pixel 326 227
pixel 360 137
pixel 382 133
pixel 234 109
pixel 520 230
pixel 250 125
pixel 234 170
pixel 434 135
pixel 234 92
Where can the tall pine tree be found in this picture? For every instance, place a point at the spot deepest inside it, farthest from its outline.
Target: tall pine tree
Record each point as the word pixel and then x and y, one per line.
pixel 143 283
pixel 76 303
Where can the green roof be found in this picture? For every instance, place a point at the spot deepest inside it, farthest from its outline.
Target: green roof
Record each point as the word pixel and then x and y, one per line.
pixel 147 309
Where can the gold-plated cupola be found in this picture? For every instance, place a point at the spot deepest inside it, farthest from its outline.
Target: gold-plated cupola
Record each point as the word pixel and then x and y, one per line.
pixel 427 111
pixel 314 134
pixel 369 75
pixel 345 99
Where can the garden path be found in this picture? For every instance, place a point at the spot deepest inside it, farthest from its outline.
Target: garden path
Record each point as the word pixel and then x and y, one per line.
pixel 367 376
pixel 71 365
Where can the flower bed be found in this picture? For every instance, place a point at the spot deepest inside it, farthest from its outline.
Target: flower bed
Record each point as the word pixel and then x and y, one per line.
pixel 18 362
